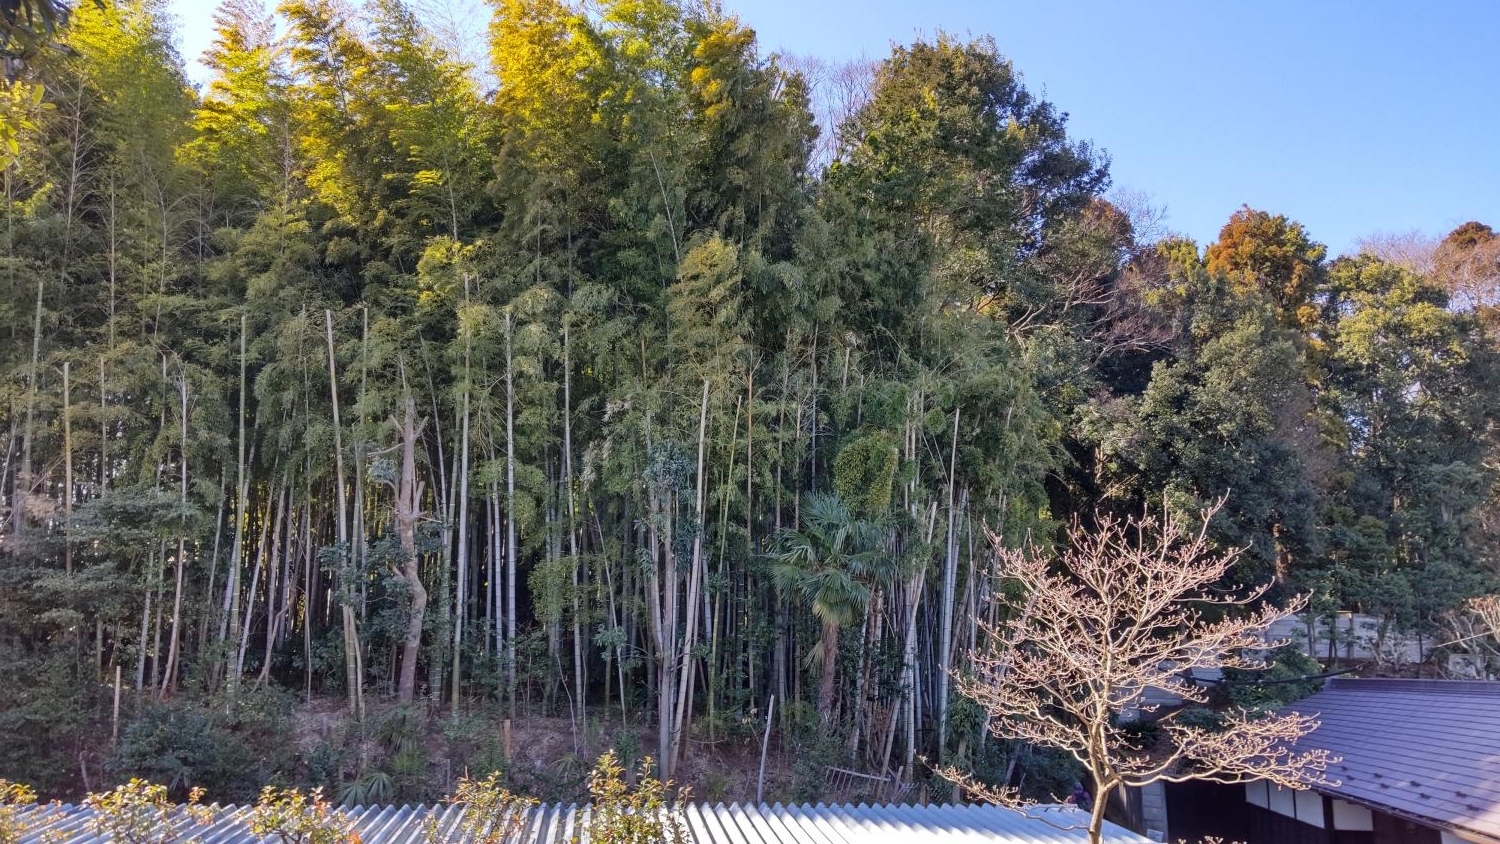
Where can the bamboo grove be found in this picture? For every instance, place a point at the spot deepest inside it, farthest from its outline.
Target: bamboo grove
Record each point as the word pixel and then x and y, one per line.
pixel 632 379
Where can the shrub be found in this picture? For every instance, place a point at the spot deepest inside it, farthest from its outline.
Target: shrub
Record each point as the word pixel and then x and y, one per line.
pixel 1250 689
pixel 643 815
pixel 17 815
pixel 493 814
pixel 141 812
pixel 184 745
pixel 297 817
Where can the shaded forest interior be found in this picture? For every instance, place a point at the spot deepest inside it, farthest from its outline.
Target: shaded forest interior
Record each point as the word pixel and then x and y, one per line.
pixel 364 401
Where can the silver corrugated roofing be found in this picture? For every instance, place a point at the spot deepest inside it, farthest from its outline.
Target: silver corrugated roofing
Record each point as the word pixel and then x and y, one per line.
pixel 719 824
pixel 1427 749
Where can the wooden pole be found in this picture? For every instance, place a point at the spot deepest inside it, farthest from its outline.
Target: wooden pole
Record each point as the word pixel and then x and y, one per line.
pixel 115 728
pixel 765 742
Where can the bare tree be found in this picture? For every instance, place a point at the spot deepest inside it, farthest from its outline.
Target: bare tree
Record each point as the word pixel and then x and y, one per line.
pixel 837 90
pixel 1411 249
pixel 1474 630
pixel 1467 265
pixel 1127 610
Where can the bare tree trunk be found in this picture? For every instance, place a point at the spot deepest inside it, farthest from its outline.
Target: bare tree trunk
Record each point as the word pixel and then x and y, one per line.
pixel 25 483
pixel 830 647
pixel 260 563
pixel 140 655
pixel 407 506
pixel 445 500
pixel 229 618
pixel 580 692
pixel 279 551
pixel 695 583
pixel 663 635
pixel 169 678
pixel 103 430
pixel 461 601
pixel 353 664
pixel 67 422
pixel 511 550
pixel 950 574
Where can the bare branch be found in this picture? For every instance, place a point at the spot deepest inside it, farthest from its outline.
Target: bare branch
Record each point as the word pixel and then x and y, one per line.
pixel 1131 608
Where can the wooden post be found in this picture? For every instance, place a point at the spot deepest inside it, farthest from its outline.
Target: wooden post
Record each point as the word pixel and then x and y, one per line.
pixel 765 741
pixel 115 730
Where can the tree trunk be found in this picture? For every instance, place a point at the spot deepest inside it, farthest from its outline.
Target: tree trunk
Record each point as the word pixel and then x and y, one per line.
pixel 461 601
pixel 169 677
pixel 830 642
pixel 950 575
pixel 511 551
pixel 1096 812
pixel 229 617
pixel 67 422
pixel 695 584
pixel 408 501
pixel 580 726
pixel 353 663
pixel 24 481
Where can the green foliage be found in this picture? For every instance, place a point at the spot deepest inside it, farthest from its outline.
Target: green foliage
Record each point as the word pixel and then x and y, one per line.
pixel 292 816
pixel 372 788
pixel 644 814
pixel 816 751
pixel 186 746
pixel 18 815
pixel 863 473
pixel 1048 773
pixel 1269 689
pixel 831 561
pixel 140 812
pixel 1268 254
pixel 492 815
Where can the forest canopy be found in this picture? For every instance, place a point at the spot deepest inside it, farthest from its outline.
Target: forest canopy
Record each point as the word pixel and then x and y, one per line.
pixel 636 378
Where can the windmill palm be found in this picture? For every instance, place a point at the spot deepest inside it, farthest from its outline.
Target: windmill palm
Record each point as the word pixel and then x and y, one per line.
pixel 829 561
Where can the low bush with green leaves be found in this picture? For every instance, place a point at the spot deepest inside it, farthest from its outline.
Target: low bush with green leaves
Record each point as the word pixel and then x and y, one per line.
pixel 641 815
pixel 142 812
pixel 18 815
pixel 492 813
pixel 293 816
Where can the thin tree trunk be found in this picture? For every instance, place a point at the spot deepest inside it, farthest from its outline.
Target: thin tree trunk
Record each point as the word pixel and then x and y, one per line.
pixel 353 664
pixel 950 574
pixel 169 678
pixel 830 648
pixel 695 584
pixel 280 550
pixel 511 551
pixel 579 686
pixel 67 421
pixel 229 618
pixel 407 505
pixel 103 431
pixel 260 563
pixel 25 484
pixel 460 614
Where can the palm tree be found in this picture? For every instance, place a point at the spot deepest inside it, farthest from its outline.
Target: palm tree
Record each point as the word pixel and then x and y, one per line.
pixel 829 562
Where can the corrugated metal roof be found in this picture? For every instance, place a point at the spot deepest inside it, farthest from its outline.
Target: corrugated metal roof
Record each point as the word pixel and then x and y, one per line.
pixel 718 824
pixel 1427 749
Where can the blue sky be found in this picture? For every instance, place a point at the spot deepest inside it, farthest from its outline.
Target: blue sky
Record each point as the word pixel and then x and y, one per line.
pixel 1350 117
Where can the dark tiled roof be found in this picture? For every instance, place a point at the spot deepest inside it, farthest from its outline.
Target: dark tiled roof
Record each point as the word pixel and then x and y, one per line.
pixel 1427 749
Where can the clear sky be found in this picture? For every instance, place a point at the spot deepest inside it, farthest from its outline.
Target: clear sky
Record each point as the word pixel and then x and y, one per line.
pixel 1350 117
